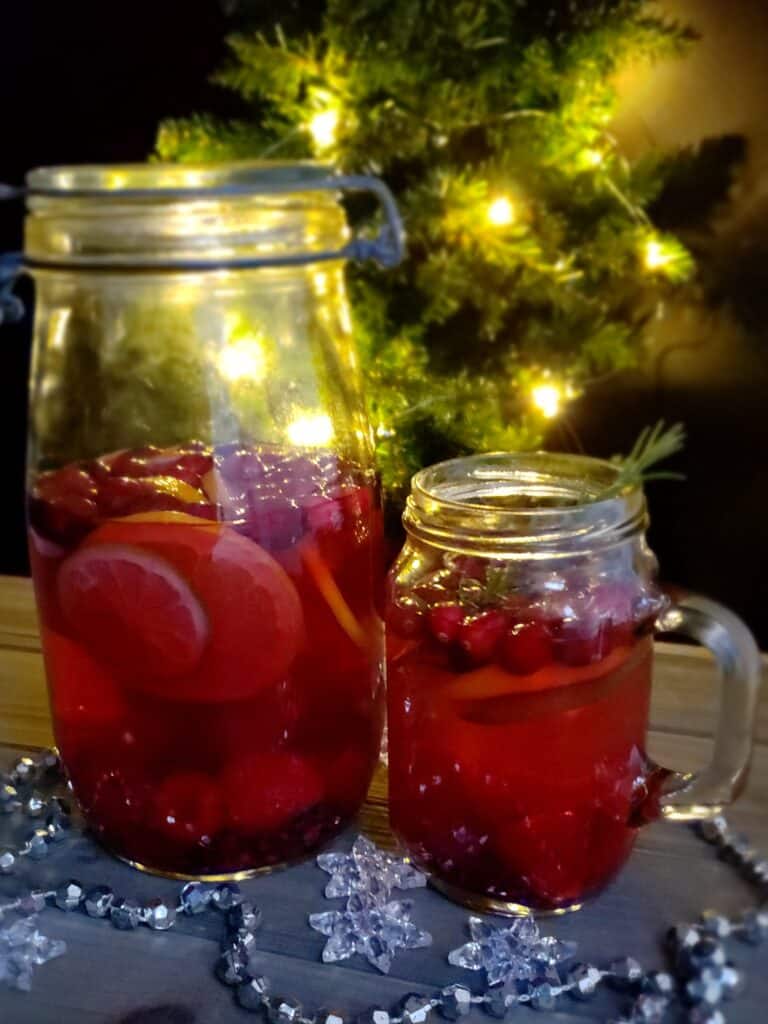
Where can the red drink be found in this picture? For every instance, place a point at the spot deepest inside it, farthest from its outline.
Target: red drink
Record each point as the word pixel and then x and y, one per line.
pixel 516 743
pixel 212 649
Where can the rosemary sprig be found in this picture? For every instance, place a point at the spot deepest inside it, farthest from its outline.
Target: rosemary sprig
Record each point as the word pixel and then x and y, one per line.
pixel 653 445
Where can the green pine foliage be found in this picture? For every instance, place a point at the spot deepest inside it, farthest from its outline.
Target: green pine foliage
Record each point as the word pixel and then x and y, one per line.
pixel 457 105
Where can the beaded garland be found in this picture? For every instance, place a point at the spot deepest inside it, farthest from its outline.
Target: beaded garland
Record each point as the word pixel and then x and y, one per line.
pixel 521 966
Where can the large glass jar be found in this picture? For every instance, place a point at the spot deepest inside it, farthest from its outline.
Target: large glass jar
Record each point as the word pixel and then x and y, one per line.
pixel 520 624
pixel 204 521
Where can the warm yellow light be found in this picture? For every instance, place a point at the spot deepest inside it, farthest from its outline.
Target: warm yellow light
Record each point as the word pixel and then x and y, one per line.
pixel 656 255
pixel 323 127
pixel 310 431
pixel 501 212
pixel 243 359
pixel 547 398
pixel 592 157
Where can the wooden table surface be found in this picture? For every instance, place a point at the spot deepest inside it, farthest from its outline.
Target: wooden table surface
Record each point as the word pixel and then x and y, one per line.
pixel 143 977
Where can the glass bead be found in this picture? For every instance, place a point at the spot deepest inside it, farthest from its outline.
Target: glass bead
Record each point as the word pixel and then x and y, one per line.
pixel 7 861
pixel 252 993
pixel 704 988
pixel 23 771
pixel 497 1003
pixel 244 916
pixel 659 983
pixel 324 1016
pixel 98 901
pixel 732 980
pixel 232 968
pixel 715 924
pixel 374 1015
pixel 682 936
pixel 9 799
pixel 754 927
pixel 32 903
pixel 69 895
pixel 649 1009
pixel 195 897
pixel 280 1010
pixel 712 828
pixel 706 953
pixel 584 980
pixel 705 1015
pixel 415 1008
pixel 36 845
pixel 159 915
pixel 58 826
pixel 125 914
pixel 49 762
pixel 757 871
pixel 455 1002
pixel 737 851
pixel 624 973
pixel 226 895
pixel 242 943
pixel 34 806
pixel 543 995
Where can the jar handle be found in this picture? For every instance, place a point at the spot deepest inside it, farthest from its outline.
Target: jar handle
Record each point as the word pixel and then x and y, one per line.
pixel 692 796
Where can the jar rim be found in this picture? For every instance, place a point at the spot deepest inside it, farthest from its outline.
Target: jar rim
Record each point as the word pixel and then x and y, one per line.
pixel 523 505
pixel 145 180
pixel 184 217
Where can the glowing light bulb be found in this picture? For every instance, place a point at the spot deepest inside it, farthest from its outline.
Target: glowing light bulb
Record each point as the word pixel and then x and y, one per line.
pixel 501 212
pixel 547 398
pixel 243 359
pixel 592 157
pixel 655 255
pixel 323 127
pixel 310 431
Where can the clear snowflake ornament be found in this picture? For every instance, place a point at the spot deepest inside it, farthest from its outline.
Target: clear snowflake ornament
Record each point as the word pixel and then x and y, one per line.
pixel 366 868
pixel 22 948
pixel 369 928
pixel 510 953
pixel 371 924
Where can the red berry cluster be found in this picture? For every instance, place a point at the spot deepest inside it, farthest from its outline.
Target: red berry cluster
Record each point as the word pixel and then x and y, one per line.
pixel 67 503
pixel 272 495
pixel 522 636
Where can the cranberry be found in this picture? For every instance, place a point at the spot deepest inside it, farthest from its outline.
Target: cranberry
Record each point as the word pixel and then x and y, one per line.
pixel 70 480
pixel 123 495
pixel 188 807
pixel 583 643
pixel 98 469
pixel 480 636
pixel 405 616
pixel 264 791
pixel 65 518
pixel 526 647
pixel 190 468
pixel 445 622
pixel 138 462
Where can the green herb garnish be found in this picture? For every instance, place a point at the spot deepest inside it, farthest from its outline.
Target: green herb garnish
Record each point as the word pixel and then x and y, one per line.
pixel 653 445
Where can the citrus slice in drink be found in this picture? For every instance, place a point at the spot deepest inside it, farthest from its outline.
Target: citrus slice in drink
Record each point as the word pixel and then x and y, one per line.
pixel 131 607
pixel 253 622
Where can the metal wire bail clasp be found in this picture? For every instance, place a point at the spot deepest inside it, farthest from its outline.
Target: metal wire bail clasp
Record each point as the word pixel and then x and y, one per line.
pixel 11 306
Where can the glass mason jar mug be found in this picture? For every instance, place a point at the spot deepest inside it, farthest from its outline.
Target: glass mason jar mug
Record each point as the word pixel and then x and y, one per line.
pixel 520 622
pixel 204 522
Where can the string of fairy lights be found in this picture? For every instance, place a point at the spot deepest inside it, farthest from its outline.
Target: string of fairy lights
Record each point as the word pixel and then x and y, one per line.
pixel 547 395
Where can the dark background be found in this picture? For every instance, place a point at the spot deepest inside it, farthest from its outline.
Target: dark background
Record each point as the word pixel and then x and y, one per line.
pixel 81 82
